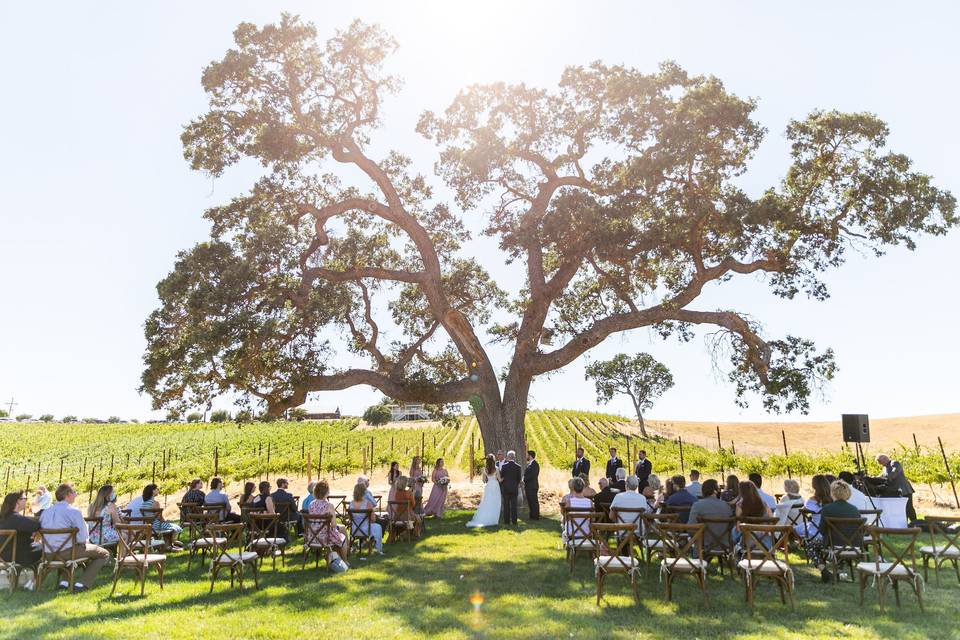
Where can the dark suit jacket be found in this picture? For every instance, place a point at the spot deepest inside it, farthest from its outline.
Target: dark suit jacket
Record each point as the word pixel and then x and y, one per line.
pixel 897 479
pixel 612 466
pixel 581 466
pixel 643 469
pixel 510 476
pixel 531 475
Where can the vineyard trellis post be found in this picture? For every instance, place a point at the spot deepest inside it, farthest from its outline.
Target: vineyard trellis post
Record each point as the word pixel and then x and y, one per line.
pixel 269 450
pixel 93 472
pixel 6 482
pixel 680 442
pixel 216 461
pixel 719 442
pixel 371 455
pixel 27 492
pixel 786 454
pixel 916 445
pixel 153 476
pixel 733 447
pixel 309 467
pixel 946 465
pixel 60 479
pixel 320 461
pixel 471 460
pixel 110 476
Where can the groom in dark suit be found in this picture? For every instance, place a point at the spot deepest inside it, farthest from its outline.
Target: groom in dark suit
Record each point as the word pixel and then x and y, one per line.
pixel 531 485
pixel 510 476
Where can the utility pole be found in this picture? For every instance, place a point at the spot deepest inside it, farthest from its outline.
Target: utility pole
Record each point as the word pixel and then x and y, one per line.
pixel 10 406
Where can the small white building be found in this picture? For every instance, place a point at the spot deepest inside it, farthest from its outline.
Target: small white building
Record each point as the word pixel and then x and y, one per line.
pixel 408 411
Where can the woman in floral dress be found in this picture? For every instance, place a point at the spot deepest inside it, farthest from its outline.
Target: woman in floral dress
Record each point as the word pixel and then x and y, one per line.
pixel 331 535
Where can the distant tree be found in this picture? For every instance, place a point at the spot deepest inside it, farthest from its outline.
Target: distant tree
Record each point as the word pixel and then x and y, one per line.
pixel 194 416
pixel 173 415
pixel 377 415
pixel 4 413
pixel 134 421
pixel 243 416
pixel 113 419
pixel 91 420
pixel 69 419
pixel 640 377
pixel 297 414
pixel 47 417
pixel 617 194
pixel 24 416
pixel 220 415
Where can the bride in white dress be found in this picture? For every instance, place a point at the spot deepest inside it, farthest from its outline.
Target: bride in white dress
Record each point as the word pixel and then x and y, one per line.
pixel 488 512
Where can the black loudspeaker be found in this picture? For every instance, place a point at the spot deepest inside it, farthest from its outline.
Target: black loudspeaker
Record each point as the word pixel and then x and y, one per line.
pixel 856 427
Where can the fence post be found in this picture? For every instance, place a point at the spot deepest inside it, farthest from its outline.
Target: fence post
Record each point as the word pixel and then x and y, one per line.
pixel 916 446
pixel 949 475
pixel 680 442
pixel 786 453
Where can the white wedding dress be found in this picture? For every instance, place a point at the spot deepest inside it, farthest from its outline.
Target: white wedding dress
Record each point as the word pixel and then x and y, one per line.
pixel 488 512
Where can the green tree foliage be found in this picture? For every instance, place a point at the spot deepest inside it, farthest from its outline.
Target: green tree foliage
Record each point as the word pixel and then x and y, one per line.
pixel 113 419
pixel 616 193
pixel 47 417
pixel 220 415
pixel 69 419
pixel 24 416
pixel 297 414
pixel 640 377
pixel 4 413
pixel 194 416
pixel 377 415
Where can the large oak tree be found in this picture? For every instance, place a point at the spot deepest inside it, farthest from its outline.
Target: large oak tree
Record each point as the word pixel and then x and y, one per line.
pixel 616 191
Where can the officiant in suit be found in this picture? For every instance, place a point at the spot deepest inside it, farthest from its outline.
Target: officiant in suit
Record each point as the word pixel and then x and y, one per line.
pixel 581 465
pixel 510 477
pixel 531 485
pixel 643 469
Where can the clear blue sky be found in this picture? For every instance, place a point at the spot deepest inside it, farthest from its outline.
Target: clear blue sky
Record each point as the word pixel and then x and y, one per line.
pixel 97 199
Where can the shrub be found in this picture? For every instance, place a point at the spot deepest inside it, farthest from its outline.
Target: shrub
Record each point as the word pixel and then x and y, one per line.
pixel 47 417
pixel 113 419
pixel 194 417
pixel 377 415
pixel 220 415
pixel 24 416
pixel 69 419
pixel 4 413
pixel 243 416
pixel 297 414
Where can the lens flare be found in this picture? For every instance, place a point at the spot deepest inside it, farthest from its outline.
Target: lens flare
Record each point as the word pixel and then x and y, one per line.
pixel 476 600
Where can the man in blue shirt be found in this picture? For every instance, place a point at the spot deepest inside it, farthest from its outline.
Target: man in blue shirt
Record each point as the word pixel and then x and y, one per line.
pixel 63 515
pixel 680 497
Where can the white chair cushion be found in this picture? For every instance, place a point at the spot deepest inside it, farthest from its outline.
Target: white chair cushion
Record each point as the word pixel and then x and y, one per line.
pixel 615 563
pixel 943 552
pixel 140 558
pixel 684 564
pixel 581 543
pixel 765 567
pixel 872 567
pixel 232 557
pixel 266 542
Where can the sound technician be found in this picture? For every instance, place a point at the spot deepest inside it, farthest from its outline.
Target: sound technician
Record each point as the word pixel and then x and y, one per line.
pixel 897 481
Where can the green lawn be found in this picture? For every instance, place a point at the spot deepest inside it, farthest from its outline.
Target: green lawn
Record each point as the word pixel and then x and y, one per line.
pixel 424 590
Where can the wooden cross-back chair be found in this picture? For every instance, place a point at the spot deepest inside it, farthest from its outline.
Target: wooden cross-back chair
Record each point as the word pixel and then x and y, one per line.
pixel 218 510
pixel 263 538
pixel 843 544
pixel 683 512
pixel 58 556
pixel 718 542
pixel 651 541
pixel 11 568
pixel 944 545
pixel 761 545
pixel 618 558
pixel 890 564
pixel 317 529
pixel 339 505
pixel 133 554
pixel 95 533
pixel 404 521
pixel 358 524
pixel 682 554
pixel 812 529
pixel 188 508
pixel 228 552
pixel 198 535
pixel 286 519
pixel 579 538
pixel 630 515
pixel 155 515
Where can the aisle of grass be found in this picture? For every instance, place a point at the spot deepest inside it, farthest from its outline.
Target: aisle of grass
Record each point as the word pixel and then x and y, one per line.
pixel 424 590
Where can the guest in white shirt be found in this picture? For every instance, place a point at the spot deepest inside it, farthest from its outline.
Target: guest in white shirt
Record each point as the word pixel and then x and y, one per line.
pixel 768 499
pixel 216 497
pixel 41 501
pixel 694 486
pixel 630 499
pixel 63 515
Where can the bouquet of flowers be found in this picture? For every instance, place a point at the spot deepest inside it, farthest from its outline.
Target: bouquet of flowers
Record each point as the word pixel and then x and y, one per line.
pixel 443 481
pixel 422 479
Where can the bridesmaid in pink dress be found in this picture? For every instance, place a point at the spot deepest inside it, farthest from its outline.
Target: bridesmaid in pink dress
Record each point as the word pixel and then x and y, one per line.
pixel 437 502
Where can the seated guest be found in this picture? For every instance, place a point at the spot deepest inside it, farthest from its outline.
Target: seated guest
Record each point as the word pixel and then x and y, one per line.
pixel 604 497
pixel 565 500
pixel 588 491
pixel 652 492
pixel 369 528
pixel 134 505
pixel 305 505
pixel 857 497
pixel 41 501
pixel 331 535
pixel 10 518
pixel 148 501
pixel 263 500
pixel 63 515
pixel 104 508
pixel 810 531
pixel 578 501
pixel 731 493
pixel 711 506
pixel 839 507
pixel 680 497
pixel 246 498
pixel 757 481
pixel 694 488
pixel 282 496
pixel 372 501
pixel 752 504
pixel 791 496
pixel 404 494
pixel 194 494
pixel 620 484
pixel 217 498
pixel 629 499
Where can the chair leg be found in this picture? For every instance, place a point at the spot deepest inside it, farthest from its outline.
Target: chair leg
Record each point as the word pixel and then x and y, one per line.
pixel 880 589
pixel 599 586
pixel 926 568
pixel 916 589
pixel 863 586
pixel 783 598
pixel 896 591
pixel 256 578
pixel 633 585
pixel 116 576
pixel 160 572
pixel 143 580
pixel 213 576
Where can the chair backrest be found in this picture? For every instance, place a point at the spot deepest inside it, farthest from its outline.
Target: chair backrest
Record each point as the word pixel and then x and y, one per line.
pixel 94 528
pixel 872 515
pixel 683 512
pixel 68 543
pixel 717 533
pixel 652 522
pixel 844 534
pixel 197 524
pixel 681 541
pixel 402 511
pixel 757 519
pixel 317 528
pixel 578 524
pixel 360 520
pixel 285 511
pixel 153 513
pixel 225 537
pixel 187 508
pixel 811 523
pixel 8 546
pixel 886 552
pixel 764 542
pixel 339 504
pixel 623 533
pixel 949 528
pixel 628 515
pixel 218 510
pixel 263 525
pixel 133 538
